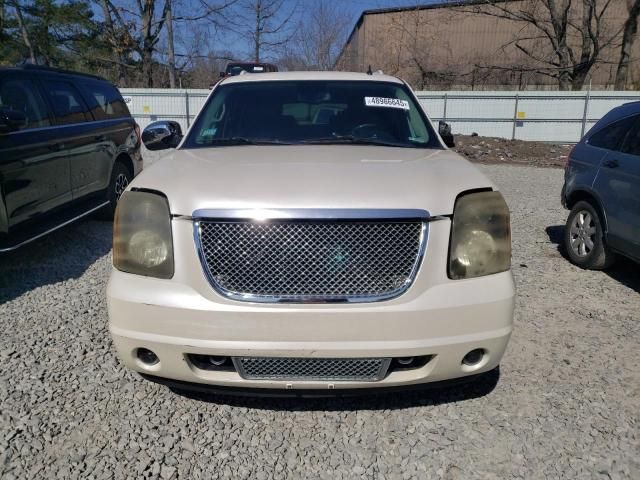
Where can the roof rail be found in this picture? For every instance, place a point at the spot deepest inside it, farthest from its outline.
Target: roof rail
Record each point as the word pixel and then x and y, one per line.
pixel 30 66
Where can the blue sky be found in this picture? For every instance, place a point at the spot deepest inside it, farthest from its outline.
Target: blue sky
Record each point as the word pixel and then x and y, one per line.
pixel 355 7
pixel 229 41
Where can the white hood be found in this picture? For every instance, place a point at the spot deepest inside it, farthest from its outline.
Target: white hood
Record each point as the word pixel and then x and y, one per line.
pixel 311 176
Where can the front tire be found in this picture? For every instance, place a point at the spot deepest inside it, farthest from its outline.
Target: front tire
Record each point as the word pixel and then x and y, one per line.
pixel 120 179
pixel 584 238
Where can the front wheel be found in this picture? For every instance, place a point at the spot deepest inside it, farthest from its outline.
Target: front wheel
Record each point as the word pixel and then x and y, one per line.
pixel 120 179
pixel 584 238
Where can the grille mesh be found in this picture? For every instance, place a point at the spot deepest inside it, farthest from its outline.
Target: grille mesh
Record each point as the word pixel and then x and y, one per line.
pixel 310 260
pixel 360 369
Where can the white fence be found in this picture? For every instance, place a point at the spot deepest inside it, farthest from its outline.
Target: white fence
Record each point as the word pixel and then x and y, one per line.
pixel 561 117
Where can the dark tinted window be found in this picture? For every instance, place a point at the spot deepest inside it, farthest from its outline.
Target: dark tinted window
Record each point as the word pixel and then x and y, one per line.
pixel 631 143
pixel 66 101
pixel 22 95
pixel 313 112
pixel 104 100
pixel 611 136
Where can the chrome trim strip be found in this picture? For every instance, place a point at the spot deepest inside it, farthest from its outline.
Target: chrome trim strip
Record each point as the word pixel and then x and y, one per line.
pixel 70 125
pixel 334 214
pixel 15 247
pixel 266 214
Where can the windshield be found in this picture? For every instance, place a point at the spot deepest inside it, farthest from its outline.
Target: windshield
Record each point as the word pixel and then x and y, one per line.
pixel 308 112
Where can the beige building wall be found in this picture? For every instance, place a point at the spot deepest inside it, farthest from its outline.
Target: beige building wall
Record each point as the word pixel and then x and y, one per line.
pixel 459 48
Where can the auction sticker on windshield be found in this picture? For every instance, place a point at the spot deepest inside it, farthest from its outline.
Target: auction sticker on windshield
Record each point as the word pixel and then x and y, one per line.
pixel 386 102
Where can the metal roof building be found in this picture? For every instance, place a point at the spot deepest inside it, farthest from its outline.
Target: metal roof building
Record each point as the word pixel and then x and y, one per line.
pixel 470 45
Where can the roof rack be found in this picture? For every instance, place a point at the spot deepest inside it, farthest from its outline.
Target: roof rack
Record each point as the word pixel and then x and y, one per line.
pixel 30 66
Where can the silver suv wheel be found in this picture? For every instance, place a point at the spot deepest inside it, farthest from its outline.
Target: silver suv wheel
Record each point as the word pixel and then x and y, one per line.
pixel 583 232
pixel 584 237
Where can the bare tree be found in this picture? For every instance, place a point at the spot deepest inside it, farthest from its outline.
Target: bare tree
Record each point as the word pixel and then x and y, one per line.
pixel 205 68
pixel 320 36
pixel 23 29
pixel 139 22
pixel 628 38
pixel 563 38
pixel 3 17
pixel 118 38
pixel 214 13
pixel 268 24
pixel 145 23
pixel 171 52
pixel 421 48
pixel 189 15
pixel 151 28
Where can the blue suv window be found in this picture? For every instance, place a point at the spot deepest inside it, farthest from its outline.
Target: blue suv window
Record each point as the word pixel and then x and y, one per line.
pixel 67 103
pixel 632 142
pixel 23 96
pixel 611 136
pixel 104 100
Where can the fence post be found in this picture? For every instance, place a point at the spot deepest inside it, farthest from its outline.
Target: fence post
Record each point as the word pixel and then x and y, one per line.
pixel 585 113
pixel 515 118
pixel 186 104
pixel 444 118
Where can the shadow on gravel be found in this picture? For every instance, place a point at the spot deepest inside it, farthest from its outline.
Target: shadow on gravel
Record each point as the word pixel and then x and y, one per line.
pixel 422 396
pixel 625 271
pixel 63 255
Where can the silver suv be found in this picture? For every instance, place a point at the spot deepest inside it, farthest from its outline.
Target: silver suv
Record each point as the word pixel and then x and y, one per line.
pixel 311 231
pixel 602 190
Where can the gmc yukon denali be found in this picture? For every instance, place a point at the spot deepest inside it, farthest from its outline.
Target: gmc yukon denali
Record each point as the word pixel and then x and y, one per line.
pixel 310 232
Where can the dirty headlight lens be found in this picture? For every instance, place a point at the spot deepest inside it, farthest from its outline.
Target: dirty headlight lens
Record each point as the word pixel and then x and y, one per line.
pixel 480 236
pixel 142 242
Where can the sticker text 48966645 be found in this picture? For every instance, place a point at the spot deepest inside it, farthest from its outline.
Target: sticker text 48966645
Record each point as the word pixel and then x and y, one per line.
pixel 386 102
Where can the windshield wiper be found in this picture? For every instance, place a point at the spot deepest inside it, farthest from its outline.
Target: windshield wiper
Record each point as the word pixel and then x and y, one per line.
pixel 245 141
pixel 338 139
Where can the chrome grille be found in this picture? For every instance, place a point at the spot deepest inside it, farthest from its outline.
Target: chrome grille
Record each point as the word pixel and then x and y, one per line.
pixel 307 261
pixel 336 369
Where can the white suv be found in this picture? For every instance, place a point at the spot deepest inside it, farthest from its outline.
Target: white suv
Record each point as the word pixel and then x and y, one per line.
pixel 311 231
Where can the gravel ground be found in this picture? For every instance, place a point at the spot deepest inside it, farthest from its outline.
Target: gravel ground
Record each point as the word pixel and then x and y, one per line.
pixel 566 405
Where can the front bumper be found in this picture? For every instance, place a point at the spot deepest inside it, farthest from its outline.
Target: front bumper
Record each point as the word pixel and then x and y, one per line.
pixel 436 316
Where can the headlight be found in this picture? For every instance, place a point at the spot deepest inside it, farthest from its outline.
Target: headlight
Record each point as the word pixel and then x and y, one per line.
pixel 480 236
pixel 142 242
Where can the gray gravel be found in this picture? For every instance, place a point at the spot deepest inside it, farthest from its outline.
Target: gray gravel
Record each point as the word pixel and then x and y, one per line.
pixel 566 405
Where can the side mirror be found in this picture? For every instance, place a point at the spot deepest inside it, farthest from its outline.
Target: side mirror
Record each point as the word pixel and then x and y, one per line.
pixel 222 74
pixel 444 129
pixel 162 135
pixel 11 120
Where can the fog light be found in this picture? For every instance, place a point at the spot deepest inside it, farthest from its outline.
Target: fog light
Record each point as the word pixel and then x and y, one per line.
pixel 405 361
pixel 409 363
pixel 217 361
pixel 474 357
pixel 147 357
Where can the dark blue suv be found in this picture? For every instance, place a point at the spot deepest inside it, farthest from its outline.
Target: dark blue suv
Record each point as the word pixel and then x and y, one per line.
pixel 602 190
pixel 68 147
